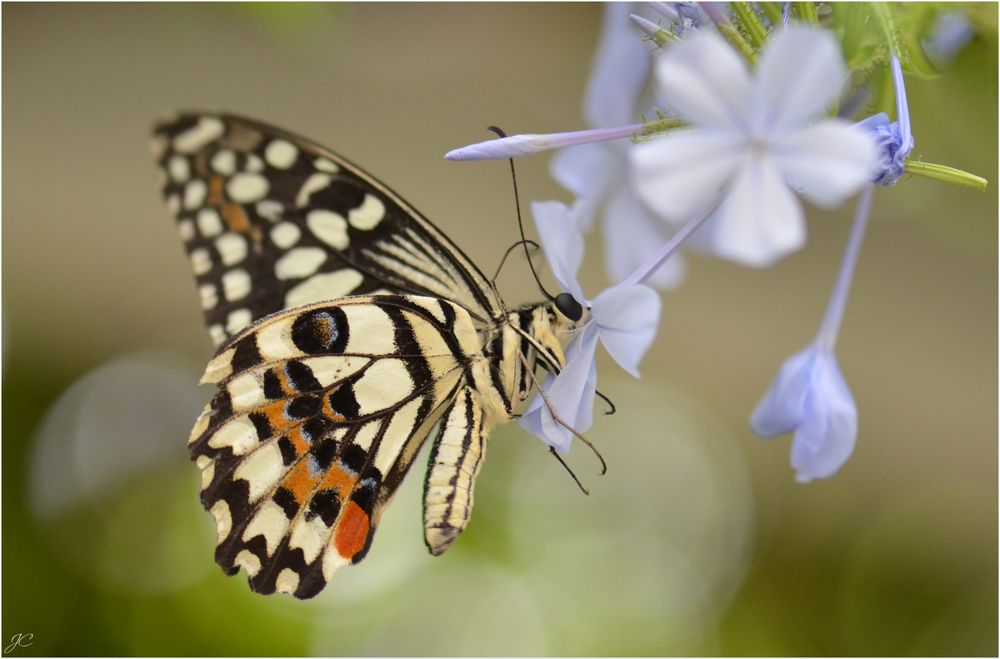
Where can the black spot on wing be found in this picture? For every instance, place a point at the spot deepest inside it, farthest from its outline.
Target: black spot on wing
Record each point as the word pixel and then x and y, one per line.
pixel 343 401
pixel 246 354
pixel 321 331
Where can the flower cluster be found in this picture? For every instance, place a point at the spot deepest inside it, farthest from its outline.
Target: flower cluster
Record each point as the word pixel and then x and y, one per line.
pixel 746 121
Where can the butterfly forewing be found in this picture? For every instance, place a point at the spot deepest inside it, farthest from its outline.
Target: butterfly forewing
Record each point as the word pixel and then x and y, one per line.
pixel 272 221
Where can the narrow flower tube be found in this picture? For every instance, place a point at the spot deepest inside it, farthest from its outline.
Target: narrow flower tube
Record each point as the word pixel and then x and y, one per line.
pixel 530 144
pixel 809 397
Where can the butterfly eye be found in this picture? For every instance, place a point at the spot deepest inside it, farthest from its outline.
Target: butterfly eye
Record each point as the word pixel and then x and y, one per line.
pixel 568 306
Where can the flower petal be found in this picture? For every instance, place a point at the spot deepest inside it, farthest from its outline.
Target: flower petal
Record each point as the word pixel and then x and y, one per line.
pixel 620 71
pixel 760 221
pixel 588 171
pixel 627 318
pixel 800 73
pixel 782 408
pixel 571 394
pixel 632 236
pixel 706 82
pixel 682 173
pixel 563 243
pixel 829 161
pixel 829 428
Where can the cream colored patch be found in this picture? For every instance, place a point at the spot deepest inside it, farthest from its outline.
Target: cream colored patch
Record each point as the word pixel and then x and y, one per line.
pixel 431 305
pixel 246 392
pixel 194 193
pixel 326 165
pixel 332 561
pixel 287 581
pixel 219 367
pixel 174 203
pixel 254 164
pixel 237 320
pixel 270 522
pixel 179 169
pixel 329 227
pixel 368 214
pixel 218 334
pixel 285 235
pixel 236 284
pixel 399 430
pixel 300 262
pixel 326 286
pixel 206 130
pixel 209 222
pixel 209 296
pixel 201 424
pixel 232 248
pixel 248 561
pixel 202 461
pixel 223 519
pixel 224 162
pixel 201 261
pixel 385 383
pixel 186 230
pixel 313 184
pixel 370 330
pixel 270 210
pixel 261 470
pixel 274 340
pixel 239 434
pixel 366 435
pixel 309 536
pixel 246 188
pixel 334 368
pixel 207 474
pixel 281 154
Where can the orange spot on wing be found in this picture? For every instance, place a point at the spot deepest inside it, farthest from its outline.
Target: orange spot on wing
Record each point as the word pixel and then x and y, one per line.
pixel 300 482
pixel 215 197
pixel 236 218
pixel 298 441
pixel 352 531
pixel 340 480
pixel 275 413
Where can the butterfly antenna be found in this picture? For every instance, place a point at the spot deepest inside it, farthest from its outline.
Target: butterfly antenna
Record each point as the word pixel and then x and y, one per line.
pixel 520 222
pixel 611 406
pixel 569 471
pixel 510 249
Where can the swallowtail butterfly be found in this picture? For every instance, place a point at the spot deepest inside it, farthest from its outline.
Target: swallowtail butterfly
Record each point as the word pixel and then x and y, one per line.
pixel 348 327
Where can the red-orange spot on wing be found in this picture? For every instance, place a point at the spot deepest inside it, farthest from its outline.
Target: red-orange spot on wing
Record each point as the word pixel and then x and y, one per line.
pixel 352 531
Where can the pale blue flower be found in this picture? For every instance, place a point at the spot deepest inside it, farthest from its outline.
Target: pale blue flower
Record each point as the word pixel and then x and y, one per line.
pixel 623 318
pixel 810 398
pixel 894 140
pixel 952 31
pixel 754 140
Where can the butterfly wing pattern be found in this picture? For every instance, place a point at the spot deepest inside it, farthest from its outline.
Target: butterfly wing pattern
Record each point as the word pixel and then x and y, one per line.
pixel 348 326
pixel 271 220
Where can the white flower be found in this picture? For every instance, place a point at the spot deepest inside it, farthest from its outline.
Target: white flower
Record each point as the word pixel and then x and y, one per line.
pixel 752 138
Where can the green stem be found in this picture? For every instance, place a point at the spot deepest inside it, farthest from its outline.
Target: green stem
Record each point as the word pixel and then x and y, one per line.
pixel 772 10
pixel 751 23
pixel 807 12
pixel 734 37
pixel 946 174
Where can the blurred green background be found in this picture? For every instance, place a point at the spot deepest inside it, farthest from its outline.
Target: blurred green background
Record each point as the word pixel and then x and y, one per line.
pixel 697 541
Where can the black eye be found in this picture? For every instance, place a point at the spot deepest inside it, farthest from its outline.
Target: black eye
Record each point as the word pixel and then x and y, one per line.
pixel 568 306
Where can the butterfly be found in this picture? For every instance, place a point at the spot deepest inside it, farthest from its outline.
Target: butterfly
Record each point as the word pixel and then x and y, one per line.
pixel 347 328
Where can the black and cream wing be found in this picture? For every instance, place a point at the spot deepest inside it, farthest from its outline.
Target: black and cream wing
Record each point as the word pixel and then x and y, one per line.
pixel 271 221
pixel 319 413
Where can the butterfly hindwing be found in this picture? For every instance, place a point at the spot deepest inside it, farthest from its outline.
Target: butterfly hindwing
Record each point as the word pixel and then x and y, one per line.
pixel 319 413
pixel 271 221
